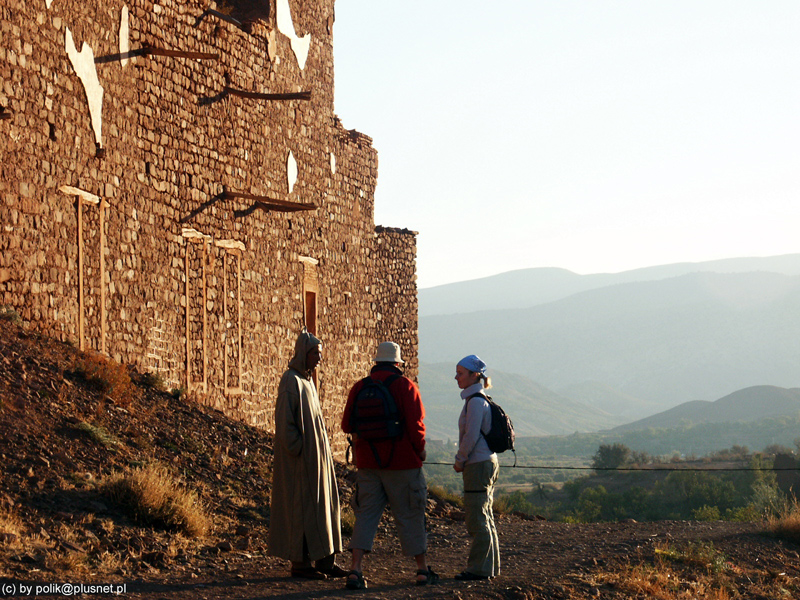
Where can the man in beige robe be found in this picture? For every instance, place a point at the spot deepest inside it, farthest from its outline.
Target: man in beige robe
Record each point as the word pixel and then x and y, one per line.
pixel 304 511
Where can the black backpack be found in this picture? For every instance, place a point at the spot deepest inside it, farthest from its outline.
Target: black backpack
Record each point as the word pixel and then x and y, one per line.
pixel 374 416
pixel 501 433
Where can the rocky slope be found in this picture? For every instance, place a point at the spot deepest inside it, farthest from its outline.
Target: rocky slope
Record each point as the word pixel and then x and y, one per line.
pixel 63 433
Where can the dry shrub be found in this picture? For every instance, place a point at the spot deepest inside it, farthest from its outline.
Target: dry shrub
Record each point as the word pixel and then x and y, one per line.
pixel 446 495
pixel 11 529
pixel 676 574
pixel 106 375
pixel 786 524
pixel 348 519
pixel 154 497
pixel 67 562
pixel 153 381
pixel 660 582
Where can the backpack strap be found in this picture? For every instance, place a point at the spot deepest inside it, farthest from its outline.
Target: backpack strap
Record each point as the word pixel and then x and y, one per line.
pixel 385 383
pixel 488 399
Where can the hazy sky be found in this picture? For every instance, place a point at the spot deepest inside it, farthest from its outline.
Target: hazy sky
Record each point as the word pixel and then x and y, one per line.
pixel 592 135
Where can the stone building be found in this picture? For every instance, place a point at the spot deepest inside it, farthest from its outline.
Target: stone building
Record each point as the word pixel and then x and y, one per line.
pixel 177 192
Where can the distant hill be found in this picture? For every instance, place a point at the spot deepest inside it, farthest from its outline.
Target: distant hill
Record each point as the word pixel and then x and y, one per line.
pixel 534 409
pixel 747 405
pixel 696 336
pixel 609 399
pixel 525 288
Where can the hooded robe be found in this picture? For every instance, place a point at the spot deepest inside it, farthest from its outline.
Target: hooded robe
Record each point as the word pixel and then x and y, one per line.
pixel 305 498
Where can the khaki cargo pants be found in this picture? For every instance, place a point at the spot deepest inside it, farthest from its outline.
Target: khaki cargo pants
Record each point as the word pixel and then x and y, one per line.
pixel 484 554
pixel 406 492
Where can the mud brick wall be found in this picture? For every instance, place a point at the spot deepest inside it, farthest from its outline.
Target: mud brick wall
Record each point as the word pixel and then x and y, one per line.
pixel 135 230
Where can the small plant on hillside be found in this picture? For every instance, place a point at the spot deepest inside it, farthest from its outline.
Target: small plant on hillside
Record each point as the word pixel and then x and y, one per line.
pixel 701 554
pixel 691 571
pixel 786 523
pixel 446 495
pixel 514 502
pixel 99 435
pixel 348 519
pixel 661 582
pixel 767 499
pixel 153 381
pixel 10 529
pixel 106 375
pixel 9 314
pixel 706 513
pixel 154 497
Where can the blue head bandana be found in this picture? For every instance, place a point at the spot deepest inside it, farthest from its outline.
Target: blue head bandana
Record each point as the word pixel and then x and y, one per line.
pixel 473 363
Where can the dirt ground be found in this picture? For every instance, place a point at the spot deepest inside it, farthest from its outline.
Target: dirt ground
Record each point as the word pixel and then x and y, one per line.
pixel 61 436
pixel 540 560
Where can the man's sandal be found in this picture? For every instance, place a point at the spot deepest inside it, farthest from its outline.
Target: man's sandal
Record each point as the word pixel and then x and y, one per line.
pixel 307 573
pixel 430 577
pixel 335 571
pixel 467 576
pixel 355 581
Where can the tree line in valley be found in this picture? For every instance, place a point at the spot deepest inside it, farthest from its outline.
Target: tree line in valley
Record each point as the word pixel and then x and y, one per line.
pixel 621 483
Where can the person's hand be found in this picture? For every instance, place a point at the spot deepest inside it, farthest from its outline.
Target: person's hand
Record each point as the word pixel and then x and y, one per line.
pixel 423 455
pixel 458 468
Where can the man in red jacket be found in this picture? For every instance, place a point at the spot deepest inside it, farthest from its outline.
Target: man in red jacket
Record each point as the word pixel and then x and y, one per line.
pixel 390 470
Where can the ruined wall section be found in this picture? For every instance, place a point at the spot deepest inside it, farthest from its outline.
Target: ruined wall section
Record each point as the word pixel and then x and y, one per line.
pixel 396 304
pixel 177 279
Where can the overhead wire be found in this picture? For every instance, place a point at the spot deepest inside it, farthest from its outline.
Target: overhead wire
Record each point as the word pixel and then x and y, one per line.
pixel 640 468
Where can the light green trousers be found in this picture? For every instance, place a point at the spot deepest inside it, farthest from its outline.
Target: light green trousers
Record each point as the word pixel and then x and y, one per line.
pixel 484 554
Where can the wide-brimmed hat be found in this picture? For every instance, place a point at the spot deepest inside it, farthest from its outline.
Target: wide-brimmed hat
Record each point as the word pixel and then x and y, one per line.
pixel 388 352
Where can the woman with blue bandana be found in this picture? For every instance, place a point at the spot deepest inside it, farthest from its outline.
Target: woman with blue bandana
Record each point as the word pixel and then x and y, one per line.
pixel 479 468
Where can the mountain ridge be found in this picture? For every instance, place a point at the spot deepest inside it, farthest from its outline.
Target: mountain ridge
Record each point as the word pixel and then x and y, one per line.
pixel 524 288
pixel 534 409
pixel 750 404
pixel 696 336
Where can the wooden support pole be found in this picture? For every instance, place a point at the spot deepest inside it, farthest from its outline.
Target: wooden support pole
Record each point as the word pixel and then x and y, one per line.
pixel 205 317
pixel 259 96
pixel 103 205
pixel 225 309
pixel 83 197
pixel 81 343
pixel 188 339
pixel 239 259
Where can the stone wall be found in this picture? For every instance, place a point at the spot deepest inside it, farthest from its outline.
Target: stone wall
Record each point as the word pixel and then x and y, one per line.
pixel 184 229
pixel 396 300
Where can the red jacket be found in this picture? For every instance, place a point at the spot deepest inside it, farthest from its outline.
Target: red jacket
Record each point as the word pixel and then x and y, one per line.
pixel 406 448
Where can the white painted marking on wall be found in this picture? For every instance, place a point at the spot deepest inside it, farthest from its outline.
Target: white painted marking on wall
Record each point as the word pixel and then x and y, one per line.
pixel 333 163
pixel 300 46
pixel 83 63
pixel 124 36
pixel 49 3
pixel 291 171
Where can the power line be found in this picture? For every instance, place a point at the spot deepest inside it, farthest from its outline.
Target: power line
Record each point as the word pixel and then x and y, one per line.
pixel 565 468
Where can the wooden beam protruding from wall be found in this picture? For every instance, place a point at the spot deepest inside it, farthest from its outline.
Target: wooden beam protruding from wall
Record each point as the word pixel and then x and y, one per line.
pixel 261 96
pixel 148 50
pixel 266 203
